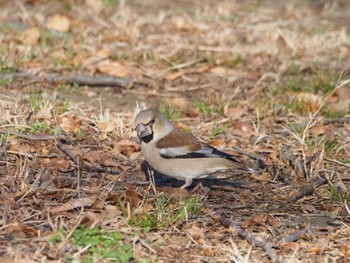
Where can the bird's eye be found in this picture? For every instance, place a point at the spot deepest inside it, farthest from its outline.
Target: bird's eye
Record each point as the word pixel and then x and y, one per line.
pixel 152 122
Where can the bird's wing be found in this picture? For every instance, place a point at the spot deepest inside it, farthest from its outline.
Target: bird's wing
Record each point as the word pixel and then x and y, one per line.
pixel 178 145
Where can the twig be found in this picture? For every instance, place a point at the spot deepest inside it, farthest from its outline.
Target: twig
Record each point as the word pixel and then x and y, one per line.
pixel 336 120
pixel 86 166
pixel 32 156
pixel 255 240
pixel 80 79
pixel 31 137
pixel 308 190
pixel 296 235
pixel 337 162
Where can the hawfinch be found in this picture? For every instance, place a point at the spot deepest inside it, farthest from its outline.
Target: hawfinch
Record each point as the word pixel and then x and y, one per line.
pixel 175 153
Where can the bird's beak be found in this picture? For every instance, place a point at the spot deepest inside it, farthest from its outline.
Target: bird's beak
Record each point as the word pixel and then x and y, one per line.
pixel 143 130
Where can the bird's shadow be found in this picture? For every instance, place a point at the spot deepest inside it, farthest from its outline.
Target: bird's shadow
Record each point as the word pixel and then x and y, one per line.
pixel 162 180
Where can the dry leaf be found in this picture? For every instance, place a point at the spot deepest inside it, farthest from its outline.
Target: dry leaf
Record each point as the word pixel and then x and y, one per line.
pixel 263 177
pixel 43 114
pixel 309 208
pixel 217 143
pixel 70 123
pixel 19 146
pixel 289 246
pixel 196 232
pixel 181 23
pixel 345 250
pixel 133 197
pixel 23 228
pixel 106 127
pixel 61 164
pixel 220 71
pixel 75 203
pixel 96 5
pixel 113 68
pixel 95 157
pixel 242 128
pixel 59 23
pixel 180 103
pixel 235 113
pixel 316 249
pixel 273 222
pixel 111 163
pixel 259 219
pixel 343 93
pixel 31 36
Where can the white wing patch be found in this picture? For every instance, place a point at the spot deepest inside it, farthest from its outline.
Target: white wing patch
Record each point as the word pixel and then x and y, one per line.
pixel 184 151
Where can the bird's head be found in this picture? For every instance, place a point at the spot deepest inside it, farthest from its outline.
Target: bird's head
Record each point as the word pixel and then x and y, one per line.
pixel 151 125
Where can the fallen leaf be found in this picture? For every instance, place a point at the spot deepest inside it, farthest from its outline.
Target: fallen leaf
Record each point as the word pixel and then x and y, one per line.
pixel 95 157
pixel 133 197
pixel 43 114
pixel 106 127
pixel 318 130
pixel 316 249
pixel 242 128
pixel 59 23
pixel 207 251
pixel 31 36
pixel 61 164
pixel 289 246
pixel 180 103
pixel 310 100
pixel 345 250
pixel 220 71
pixel 18 146
pixel 343 93
pixel 196 232
pixel 309 208
pixel 235 113
pixel 273 222
pixel 75 203
pixel 23 228
pixel 259 219
pixel 113 68
pixel 96 5
pixel 262 177
pixel 181 23
pixel 70 123
pixel 111 163
pixel 217 143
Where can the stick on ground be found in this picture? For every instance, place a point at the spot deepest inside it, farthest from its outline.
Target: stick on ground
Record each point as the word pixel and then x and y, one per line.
pixel 86 166
pixel 80 79
pixel 257 241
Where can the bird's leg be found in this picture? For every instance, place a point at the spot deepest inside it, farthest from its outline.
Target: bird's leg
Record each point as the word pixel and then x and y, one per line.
pixel 188 182
pixel 199 186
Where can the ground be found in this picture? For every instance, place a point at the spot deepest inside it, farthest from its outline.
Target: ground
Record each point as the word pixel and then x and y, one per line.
pixel 258 79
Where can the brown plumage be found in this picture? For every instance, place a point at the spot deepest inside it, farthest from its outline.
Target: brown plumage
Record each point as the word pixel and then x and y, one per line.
pixel 177 138
pixel 175 153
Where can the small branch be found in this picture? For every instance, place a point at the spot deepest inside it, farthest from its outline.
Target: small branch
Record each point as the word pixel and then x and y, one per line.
pixel 338 162
pixel 255 240
pixel 86 166
pixel 31 137
pixel 336 120
pixel 80 79
pixel 296 235
pixel 307 190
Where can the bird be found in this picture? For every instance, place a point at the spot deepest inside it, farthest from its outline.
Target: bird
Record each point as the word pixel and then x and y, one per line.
pixel 177 154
